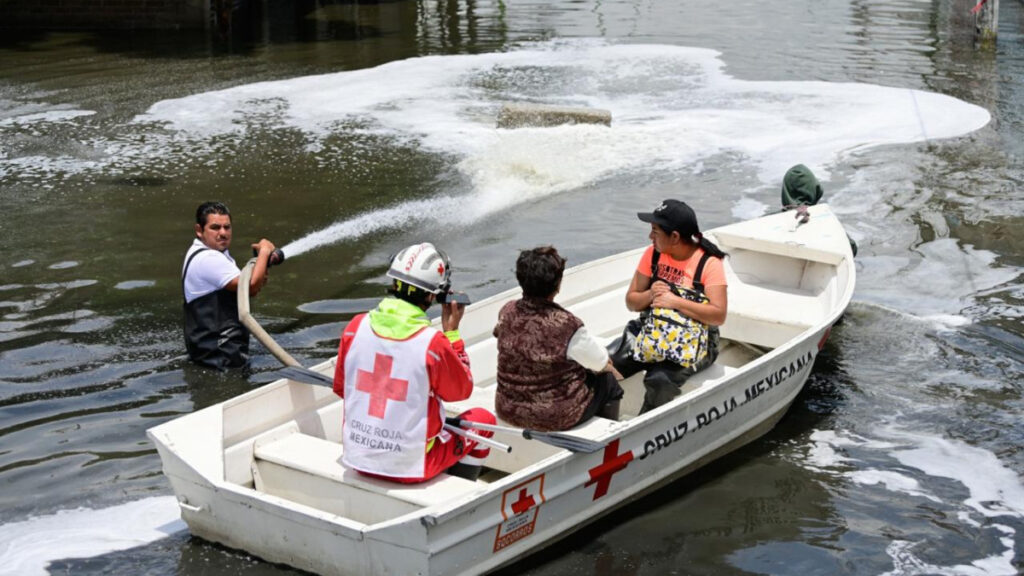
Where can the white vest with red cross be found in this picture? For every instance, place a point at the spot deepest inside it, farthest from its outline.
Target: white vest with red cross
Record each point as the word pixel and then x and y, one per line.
pixel 387 393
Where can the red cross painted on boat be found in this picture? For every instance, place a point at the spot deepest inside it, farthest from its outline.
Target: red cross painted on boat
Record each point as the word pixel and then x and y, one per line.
pixel 613 462
pixel 381 386
pixel 524 503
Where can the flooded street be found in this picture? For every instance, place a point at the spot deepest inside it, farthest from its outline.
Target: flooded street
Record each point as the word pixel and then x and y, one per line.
pixel 348 135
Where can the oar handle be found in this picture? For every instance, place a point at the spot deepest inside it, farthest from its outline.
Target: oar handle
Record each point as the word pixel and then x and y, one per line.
pixel 491 427
pixel 254 327
pixel 557 439
pixel 478 438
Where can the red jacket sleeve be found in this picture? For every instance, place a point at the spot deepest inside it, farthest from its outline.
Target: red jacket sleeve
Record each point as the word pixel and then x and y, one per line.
pixel 347 334
pixel 448 367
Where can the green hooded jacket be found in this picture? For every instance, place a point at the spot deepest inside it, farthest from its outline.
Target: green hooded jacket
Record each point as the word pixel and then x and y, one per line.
pixel 801 187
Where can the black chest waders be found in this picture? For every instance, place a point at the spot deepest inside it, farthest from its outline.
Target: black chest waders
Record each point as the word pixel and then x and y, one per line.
pixel 214 336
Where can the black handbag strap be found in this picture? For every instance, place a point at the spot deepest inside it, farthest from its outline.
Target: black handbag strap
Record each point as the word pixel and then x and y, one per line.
pixel 698 275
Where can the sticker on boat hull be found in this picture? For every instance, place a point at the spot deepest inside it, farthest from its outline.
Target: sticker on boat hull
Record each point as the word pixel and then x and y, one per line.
pixel 519 507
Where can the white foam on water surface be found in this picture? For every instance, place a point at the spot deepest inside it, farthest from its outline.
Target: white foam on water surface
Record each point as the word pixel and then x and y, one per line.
pixel 893 481
pixel 995 491
pixel 57 115
pixel 672 109
pixel 848 439
pixel 935 281
pixel 134 284
pixel 827 450
pixel 750 208
pixel 906 563
pixel 28 546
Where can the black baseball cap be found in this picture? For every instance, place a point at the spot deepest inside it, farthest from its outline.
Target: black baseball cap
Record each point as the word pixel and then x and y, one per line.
pixel 673 216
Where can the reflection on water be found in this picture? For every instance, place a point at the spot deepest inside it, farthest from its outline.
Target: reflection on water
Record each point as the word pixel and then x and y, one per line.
pixel 430 25
pixel 98 209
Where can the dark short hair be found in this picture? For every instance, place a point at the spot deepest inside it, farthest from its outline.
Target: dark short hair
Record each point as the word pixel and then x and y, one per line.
pixel 539 271
pixel 207 208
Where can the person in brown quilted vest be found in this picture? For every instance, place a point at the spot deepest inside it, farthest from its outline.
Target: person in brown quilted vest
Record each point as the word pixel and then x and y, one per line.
pixel 552 375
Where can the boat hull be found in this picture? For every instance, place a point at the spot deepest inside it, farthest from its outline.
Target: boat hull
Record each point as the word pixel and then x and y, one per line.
pixel 787 298
pixel 568 492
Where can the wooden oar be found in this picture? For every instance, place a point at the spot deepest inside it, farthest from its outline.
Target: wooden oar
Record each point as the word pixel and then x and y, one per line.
pixel 558 439
pixel 305 375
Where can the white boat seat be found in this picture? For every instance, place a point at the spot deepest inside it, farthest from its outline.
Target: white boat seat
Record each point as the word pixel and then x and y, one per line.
pixel 322 458
pixel 482 397
pixel 831 253
pixel 754 323
pixel 773 304
pixel 524 452
pixel 483 358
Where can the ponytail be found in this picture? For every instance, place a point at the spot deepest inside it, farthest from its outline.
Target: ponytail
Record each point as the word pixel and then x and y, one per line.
pixel 708 246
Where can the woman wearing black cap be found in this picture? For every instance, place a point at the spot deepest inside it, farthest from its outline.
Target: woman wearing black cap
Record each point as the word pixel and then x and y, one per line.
pixel 680 285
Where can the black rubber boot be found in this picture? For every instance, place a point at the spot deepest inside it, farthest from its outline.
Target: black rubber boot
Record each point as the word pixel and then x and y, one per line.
pixel 610 410
pixel 662 385
pixel 464 471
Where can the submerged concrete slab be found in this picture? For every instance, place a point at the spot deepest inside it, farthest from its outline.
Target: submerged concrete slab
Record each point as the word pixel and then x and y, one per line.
pixel 539 116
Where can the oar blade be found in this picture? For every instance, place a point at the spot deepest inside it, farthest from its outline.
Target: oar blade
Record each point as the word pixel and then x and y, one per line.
pixel 557 439
pixel 567 441
pixel 305 375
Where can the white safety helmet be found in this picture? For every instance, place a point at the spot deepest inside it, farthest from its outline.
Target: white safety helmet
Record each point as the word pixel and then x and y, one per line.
pixel 423 266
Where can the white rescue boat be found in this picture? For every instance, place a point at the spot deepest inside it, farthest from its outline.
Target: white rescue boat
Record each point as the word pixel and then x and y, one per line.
pixel 262 472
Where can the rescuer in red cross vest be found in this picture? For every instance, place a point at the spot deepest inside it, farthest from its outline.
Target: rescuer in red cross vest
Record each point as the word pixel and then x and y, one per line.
pixel 394 370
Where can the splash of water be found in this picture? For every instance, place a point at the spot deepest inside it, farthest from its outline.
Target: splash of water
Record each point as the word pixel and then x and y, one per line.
pixel 672 108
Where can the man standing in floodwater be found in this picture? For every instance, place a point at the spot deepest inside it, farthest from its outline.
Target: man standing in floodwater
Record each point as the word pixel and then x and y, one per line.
pixel 214 336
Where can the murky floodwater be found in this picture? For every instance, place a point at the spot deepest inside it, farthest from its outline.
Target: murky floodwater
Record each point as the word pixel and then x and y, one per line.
pixel 351 134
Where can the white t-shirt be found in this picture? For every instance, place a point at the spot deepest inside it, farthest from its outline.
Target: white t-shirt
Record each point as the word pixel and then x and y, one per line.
pixel 209 271
pixel 586 351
